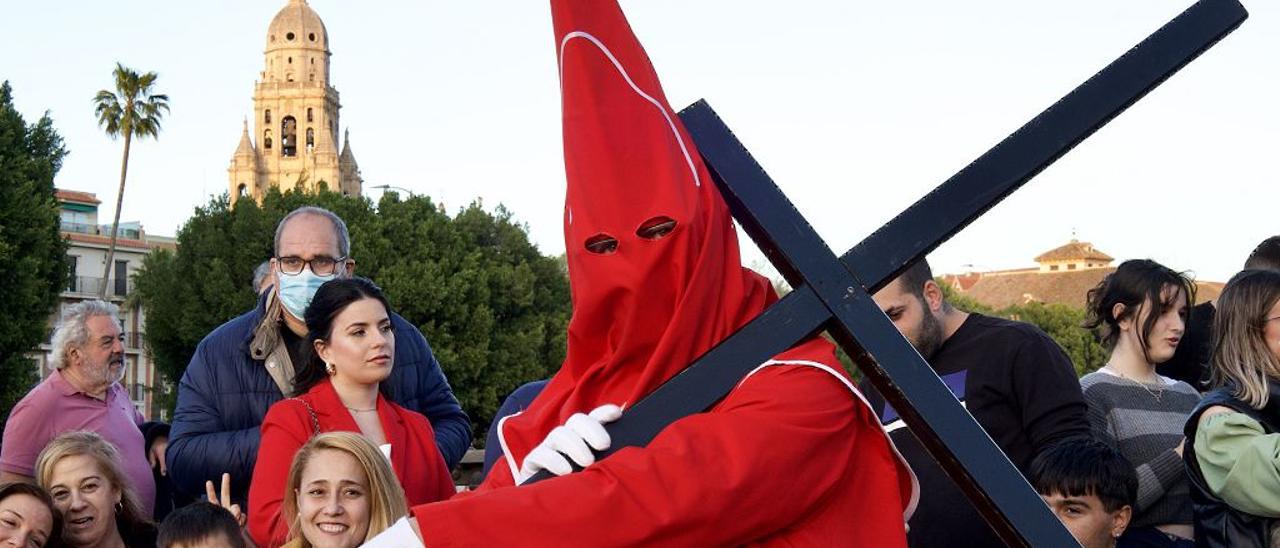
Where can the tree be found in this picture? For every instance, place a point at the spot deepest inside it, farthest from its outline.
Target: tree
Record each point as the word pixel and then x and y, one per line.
pixel 33 254
pixel 133 110
pixel 493 308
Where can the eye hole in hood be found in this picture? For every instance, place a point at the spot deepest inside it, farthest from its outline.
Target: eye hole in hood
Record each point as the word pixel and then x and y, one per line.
pixel 602 244
pixel 656 228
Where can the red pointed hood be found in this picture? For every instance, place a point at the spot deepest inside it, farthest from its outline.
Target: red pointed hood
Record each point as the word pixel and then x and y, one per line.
pixel 647 306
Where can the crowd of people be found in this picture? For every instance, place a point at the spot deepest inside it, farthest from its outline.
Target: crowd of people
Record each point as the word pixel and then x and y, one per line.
pixel 322 418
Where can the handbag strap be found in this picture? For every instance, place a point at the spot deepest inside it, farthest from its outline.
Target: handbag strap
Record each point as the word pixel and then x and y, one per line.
pixel 315 422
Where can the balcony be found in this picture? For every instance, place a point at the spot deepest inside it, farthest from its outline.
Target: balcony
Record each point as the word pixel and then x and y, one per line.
pixel 79 228
pixel 92 285
pixel 133 340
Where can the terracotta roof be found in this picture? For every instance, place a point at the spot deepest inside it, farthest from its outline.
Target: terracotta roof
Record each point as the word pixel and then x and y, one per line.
pixel 1074 251
pixel 76 196
pixel 120 242
pixel 1067 287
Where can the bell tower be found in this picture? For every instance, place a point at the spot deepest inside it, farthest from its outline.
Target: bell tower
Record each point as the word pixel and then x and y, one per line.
pixel 295 119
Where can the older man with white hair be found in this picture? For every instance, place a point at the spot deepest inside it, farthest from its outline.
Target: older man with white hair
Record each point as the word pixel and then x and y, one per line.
pixel 83 393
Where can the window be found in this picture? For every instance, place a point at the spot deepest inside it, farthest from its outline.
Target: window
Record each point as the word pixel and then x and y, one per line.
pixel 309 116
pixel 289 136
pixel 72 260
pixel 266 116
pixel 242 189
pixel 266 139
pixel 312 37
pixel 1053 267
pixel 311 139
pixel 122 278
pixel 289 36
pixel 1071 266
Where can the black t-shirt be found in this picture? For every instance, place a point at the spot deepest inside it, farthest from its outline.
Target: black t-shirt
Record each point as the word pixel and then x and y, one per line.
pixel 1190 363
pixel 297 347
pixel 1020 387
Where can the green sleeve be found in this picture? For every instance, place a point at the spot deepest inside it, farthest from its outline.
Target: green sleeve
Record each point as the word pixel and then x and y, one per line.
pixel 1240 463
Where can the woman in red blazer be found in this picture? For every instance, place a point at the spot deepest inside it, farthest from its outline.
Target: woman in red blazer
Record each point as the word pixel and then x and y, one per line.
pixel 338 389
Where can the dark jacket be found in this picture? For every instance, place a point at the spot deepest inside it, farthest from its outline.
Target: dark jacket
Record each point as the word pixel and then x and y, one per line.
pixel 225 393
pixel 1218 525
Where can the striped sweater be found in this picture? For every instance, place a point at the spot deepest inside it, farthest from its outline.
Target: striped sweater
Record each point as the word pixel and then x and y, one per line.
pixel 1146 430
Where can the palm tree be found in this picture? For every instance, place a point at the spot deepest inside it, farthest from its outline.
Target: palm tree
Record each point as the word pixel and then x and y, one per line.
pixel 131 110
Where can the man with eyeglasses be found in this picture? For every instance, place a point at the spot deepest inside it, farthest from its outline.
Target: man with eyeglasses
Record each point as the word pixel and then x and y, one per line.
pixel 248 363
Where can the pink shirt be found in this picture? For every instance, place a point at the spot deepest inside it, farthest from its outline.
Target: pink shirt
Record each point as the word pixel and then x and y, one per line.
pixel 55 406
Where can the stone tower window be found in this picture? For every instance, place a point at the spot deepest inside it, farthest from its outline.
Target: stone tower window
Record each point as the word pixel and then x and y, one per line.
pixel 311 77
pixel 309 119
pixel 240 190
pixel 312 36
pixel 288 77
pixel 313 61
pixel 266 139
pixel 266 116
pixel 290 60
pixel 311 139
pixel 289 37
pixel 289 136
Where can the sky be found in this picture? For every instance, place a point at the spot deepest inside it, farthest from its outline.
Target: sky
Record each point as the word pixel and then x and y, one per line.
pixel 855 109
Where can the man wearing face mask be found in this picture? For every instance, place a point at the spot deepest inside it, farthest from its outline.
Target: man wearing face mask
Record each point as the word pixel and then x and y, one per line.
pixel 247 364
pixel 83 393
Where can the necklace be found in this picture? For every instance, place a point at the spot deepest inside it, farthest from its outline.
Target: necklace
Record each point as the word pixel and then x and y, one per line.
pixel 370 410
pixel 1154 393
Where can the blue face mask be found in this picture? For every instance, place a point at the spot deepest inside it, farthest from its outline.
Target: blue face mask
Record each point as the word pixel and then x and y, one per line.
pixel 296 291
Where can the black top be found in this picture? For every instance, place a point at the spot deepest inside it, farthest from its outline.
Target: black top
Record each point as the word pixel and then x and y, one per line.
pixel 296 346
pixel 1022 389
pixel 1190 363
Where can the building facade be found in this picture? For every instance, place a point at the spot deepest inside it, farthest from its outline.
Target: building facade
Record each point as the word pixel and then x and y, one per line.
pixel 1062 275
pixel 294 141
pixel 87 252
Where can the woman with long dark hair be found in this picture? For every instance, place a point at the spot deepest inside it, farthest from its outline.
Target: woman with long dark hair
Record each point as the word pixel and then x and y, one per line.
pixel 1232 435
pixel 1140 311
pixel 339 389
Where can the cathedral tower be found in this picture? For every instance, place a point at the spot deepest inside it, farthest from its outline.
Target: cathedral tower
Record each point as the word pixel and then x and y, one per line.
pixel 295 118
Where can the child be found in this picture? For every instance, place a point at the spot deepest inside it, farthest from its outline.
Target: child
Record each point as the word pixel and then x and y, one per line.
pixel 1090 487
pixel 200 525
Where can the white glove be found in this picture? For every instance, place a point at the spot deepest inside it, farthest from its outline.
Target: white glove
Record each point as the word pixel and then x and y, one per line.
pixel 575 439
pixel 399 535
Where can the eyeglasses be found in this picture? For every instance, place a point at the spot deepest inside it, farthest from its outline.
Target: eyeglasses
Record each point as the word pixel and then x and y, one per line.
pixel 320 266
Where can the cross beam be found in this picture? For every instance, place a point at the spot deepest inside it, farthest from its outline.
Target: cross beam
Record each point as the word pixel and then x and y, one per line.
pixel 834 293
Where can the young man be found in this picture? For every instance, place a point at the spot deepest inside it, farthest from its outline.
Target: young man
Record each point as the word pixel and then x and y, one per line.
pixel 1090 486
pixel 1015 381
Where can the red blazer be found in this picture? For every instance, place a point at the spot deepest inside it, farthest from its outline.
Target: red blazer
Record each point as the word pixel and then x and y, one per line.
pixel 414 455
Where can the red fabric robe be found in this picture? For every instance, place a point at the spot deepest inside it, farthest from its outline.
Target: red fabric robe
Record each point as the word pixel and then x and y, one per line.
pixel 792 456
pixel 287 427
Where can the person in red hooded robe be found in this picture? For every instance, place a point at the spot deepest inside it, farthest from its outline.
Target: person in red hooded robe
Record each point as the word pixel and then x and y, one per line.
pixel 792 456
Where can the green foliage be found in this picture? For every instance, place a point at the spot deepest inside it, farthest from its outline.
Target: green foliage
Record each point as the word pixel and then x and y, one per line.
pixel 493 308
pixel 1063 324
pixel 32 252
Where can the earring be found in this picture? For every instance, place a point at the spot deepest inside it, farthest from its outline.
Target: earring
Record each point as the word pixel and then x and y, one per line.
pixel 330 369
pixel 119 506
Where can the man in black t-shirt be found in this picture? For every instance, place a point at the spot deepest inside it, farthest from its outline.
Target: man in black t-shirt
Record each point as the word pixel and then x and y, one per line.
pixel 1015 380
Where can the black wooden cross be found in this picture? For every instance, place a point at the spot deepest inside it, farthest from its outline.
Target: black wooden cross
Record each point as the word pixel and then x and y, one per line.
pixel 834 293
